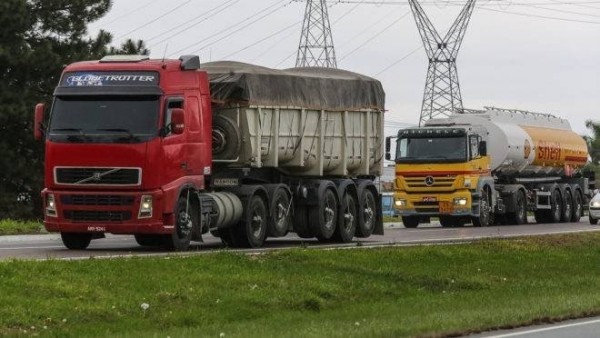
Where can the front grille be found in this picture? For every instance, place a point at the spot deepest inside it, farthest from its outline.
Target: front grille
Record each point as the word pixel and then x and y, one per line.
pixel 427 206
pixel 438 182
pixel 97 216
pixel 98 176
pixel 96 200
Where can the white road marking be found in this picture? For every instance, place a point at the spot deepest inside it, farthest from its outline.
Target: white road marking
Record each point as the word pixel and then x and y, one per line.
pixel 515 334
pixel 34 247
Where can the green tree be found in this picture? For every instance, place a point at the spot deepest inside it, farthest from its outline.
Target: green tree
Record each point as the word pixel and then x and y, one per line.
pixel 37 39
pixel 593 141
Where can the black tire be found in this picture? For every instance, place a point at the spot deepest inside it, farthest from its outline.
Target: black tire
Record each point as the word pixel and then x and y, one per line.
pixel 226 138
pixel 348 219
pixel 410 221
pixel 149 240
pixel 185 214
pixel 324 216
pixel 447 221
pixel 567 209
pixel 556 207
pixel 76 241
pixel 300 222
pixel 577 207
pixel 459 222
pixel 541 216
pixel 252 230
pixel 367 213
pixel 593 221
pixel 485 215
pixel 228 237
pixel 520 215
pixel 280 214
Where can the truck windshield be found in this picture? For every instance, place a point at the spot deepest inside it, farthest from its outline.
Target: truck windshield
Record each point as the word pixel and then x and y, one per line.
pixel 431 150
pixel 104 119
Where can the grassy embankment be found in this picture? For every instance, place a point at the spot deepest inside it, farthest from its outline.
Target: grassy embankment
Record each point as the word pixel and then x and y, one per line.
pixel 11 227
pixel 386 292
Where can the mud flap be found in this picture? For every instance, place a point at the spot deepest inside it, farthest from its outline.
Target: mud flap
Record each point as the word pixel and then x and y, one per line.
pixel 378 229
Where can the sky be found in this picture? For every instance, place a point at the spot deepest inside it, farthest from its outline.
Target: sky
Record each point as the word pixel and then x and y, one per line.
pixel 535 55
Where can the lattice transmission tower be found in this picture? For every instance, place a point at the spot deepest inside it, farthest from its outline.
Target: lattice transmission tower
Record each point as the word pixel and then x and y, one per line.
pixel 316 43
pixel 442 90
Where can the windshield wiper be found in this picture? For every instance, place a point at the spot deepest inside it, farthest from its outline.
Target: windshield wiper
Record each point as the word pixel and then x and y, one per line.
pixel 73 137
pixel 123 130
pixel 80 131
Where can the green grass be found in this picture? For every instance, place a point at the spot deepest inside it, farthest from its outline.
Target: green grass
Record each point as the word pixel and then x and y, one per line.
pixel 11 227
pixel 385 292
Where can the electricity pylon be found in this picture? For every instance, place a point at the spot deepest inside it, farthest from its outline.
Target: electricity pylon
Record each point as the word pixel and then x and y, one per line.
pixel 442 90
pixel 316 43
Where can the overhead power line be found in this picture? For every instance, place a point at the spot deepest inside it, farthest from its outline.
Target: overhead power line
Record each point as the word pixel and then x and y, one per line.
pixel 131 12
pixel 204 17
pixel 229 31
pixel 263 39
pixel 375 36
pixel 155 19
pixel 539 16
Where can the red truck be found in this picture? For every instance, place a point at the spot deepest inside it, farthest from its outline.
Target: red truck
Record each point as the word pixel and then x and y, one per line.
pixel 169 150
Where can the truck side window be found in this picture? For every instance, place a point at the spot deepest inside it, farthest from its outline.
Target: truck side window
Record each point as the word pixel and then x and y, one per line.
pixel 173 102
pixel 474 144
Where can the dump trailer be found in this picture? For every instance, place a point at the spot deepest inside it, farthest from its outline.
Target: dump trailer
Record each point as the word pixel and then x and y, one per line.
pixel 490 166
pixel 169 150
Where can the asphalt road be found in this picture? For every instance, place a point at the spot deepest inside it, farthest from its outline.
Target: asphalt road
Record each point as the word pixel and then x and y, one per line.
pixel 50 246
pixel 583 328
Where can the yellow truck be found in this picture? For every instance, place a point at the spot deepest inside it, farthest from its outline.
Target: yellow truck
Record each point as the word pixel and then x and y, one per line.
pixel 490 166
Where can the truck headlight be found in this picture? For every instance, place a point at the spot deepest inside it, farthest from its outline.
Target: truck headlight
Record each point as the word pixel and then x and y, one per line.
pixel 595 204
pixel 460 201
pixel 145 207
pixel 50 206
pixel 400 203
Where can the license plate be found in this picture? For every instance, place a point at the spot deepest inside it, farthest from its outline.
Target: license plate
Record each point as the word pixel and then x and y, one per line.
pixel 429 199
pixel 446 208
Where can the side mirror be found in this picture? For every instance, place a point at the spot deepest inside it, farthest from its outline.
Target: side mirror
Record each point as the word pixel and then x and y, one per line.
pixel 177 121
pixel 38 121
pixel 388 146
pixel 482 148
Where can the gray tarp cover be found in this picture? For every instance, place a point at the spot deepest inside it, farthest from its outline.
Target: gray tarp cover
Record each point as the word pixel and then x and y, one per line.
pixel 311 88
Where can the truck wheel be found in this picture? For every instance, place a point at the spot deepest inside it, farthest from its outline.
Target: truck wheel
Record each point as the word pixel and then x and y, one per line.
pixel 593 221
pixel 367 213
pixel 252 230
pixel 76 241
pixel 227 237
pixel 520 215
pixel 555 207
pixel 184 223
pixel 484 218
pixel 323 218
pixel 410 221
pixel 567 210
pixel 347 220
pixel 301 227
pixel 541 216
pixel 280 214
pixel 446 221
pixel 226 139
pixel 149 240
pixel 577 207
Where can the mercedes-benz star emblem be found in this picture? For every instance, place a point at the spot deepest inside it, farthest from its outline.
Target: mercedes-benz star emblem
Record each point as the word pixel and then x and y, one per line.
pixel 429 181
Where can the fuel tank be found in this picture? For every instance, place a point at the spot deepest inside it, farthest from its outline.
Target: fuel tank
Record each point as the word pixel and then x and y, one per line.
pixel 525 143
